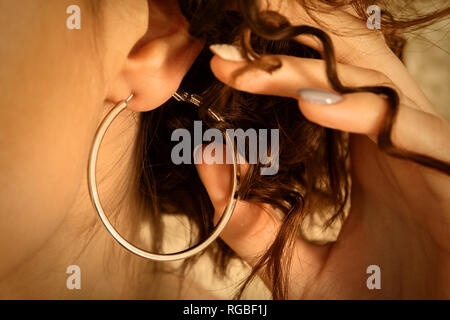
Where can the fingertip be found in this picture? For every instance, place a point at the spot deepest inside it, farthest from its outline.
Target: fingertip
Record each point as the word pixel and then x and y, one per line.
pixel 224 69
pixel 360 112
pixel 215 173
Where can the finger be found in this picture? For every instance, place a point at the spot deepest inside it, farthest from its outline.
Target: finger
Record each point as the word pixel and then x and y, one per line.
pixel 364 113
pixel 361 113
pixel 295 73
pixel 358 113
pixel 251 228
pixel 254 226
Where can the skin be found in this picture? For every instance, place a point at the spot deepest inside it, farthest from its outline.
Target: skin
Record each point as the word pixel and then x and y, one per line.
pixel 400 211
pixel 57 85
pixel 56 88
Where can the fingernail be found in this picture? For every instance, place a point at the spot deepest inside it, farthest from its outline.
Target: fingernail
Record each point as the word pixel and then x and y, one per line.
pixel 228 52
pixel 319 96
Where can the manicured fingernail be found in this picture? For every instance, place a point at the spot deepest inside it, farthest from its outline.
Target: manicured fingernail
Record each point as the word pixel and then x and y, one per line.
pixel 319 96
pixel 227 52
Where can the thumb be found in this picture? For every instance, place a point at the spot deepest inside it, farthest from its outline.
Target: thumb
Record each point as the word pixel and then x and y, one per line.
pixel 252 227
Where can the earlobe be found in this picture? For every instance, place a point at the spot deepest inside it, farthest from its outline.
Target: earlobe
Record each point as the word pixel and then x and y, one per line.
pixel 154 70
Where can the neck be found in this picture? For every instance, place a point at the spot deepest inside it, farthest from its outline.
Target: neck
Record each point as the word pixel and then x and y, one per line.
pixel 81 239
pixel 107 271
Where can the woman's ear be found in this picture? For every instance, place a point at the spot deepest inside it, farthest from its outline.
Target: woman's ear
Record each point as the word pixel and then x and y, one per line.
pixel 156 64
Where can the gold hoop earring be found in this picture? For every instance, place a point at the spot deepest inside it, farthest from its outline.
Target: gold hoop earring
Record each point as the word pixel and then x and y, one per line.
pixel 229 209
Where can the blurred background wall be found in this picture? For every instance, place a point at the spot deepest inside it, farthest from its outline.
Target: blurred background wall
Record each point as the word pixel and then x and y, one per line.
pixel 427 57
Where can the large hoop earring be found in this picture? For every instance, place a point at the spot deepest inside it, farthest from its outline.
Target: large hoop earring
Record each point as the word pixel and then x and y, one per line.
pixel 228 212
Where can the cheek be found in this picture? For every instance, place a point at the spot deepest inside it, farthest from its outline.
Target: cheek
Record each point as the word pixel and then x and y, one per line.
pixel 51 95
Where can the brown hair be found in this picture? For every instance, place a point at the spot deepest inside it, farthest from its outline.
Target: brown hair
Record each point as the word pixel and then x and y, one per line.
pixel 317 170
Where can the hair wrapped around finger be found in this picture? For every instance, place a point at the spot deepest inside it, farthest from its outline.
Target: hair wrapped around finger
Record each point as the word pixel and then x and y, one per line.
pixel 313 175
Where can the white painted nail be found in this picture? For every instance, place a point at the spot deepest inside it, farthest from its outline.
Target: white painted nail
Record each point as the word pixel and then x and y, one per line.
pixel 319 96
pixel 228 52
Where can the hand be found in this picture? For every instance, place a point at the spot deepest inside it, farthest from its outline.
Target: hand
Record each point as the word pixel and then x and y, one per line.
pixel 400 211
